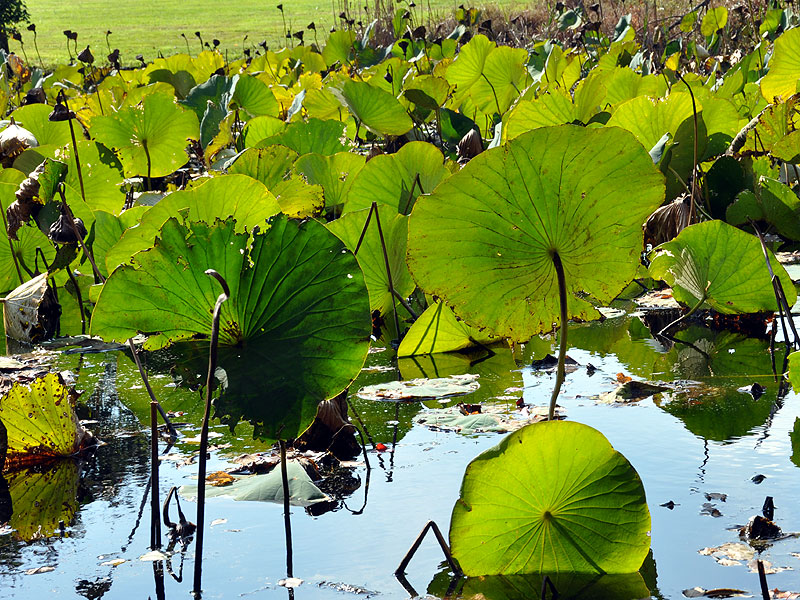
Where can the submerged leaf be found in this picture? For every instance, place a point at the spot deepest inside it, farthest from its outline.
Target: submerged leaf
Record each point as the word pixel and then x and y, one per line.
pixel 420 389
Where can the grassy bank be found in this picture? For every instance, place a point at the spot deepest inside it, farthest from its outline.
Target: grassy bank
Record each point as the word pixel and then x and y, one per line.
pixel 148 27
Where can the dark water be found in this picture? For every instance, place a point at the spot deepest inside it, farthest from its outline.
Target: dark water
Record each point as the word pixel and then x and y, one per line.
pixel 708 438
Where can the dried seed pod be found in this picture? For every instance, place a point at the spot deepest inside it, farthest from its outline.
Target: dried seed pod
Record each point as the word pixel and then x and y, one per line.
pixel 14 140
pixel 61 113
pixel 35 96
pixel 86 55
pixel 469 147
pixel 61 232
pixel 373 152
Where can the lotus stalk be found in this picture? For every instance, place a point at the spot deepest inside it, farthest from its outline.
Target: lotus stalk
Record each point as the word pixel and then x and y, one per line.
pixel 201 471
pixel 562 346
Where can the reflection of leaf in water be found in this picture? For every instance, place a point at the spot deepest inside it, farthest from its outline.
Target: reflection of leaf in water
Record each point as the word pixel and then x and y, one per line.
pixel 718 413
pixel 794 435
pixel 40 499
pixel 570 586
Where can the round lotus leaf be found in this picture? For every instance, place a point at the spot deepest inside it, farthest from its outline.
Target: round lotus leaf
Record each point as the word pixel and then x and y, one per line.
pixel 551 498
pixel 151 135
pixel 784 68
pixel 237 196
pixel 485 239
pixel 378 110
pixel 722 266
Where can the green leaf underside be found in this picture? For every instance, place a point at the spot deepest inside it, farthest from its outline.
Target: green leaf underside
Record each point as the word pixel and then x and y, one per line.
pixel 300 312
pixel 483 241
pixel 439 330
pixel 237 196
pixel 370 255
pixel 553 497
pixel 722 265
pixel 40 421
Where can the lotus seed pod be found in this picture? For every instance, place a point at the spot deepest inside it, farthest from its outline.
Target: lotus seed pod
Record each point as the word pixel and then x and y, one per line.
pixel 14 140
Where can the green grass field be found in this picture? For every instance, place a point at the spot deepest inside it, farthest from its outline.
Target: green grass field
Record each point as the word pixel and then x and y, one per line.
pixel 148 27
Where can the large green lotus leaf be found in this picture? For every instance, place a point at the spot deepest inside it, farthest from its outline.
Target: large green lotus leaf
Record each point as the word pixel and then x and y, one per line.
pixel 298 310
pixel 467 68
pixel 439 330
pixel 484 240
pixel 370 255
pixel 40 422
pixel 551 498
pixel 109 229
pixel 102 176
pixel 272 166
pixel 624 84
pixel 391 178
pixel 304 269
pixel 378 110
pixel 339 47
pixel 268 488
pixel 721 266
pixel 774 203
pixel 34 118
pixel 314 135
pixel 261 128
pixel 157 127
pixel 237 196
pixel 29 238
pixel 784 68
pixel 335 173
pixel 714 20
pixel 551 108
pixel 255 97
pixel 502 81
pixel 650 119
pixel 41 499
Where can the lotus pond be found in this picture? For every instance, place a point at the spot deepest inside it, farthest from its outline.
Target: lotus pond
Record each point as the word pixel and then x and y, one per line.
pixel 705 445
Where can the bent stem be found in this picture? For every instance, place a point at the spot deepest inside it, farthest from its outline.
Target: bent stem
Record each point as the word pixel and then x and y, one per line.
pixel 562 347
pixel 201 471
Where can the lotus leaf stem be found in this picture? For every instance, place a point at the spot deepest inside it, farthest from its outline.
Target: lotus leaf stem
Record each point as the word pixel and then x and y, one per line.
pixel 155 514
pixel 664 332
pixel 287 521
pixel 201 471
pixel 562 347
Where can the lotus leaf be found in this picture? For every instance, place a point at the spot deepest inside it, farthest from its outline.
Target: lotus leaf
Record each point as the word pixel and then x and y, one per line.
pixel 794 435
pixel 255 97
pixel 420 389
pixel 773 202
pixel 34 118
pixel 378 110
pixel 102 175
pixel 40 421
pixel 551 498
pixel 315 135
pixel 335 173
pixel 717 265
pixel 42 499
pixel 439 330
pixel 268 488
pixel 484 240
pixel 370 255
pixel 391 179
pixel 714 20
pixel 784 68
pixel 150 138
pixel 238 196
